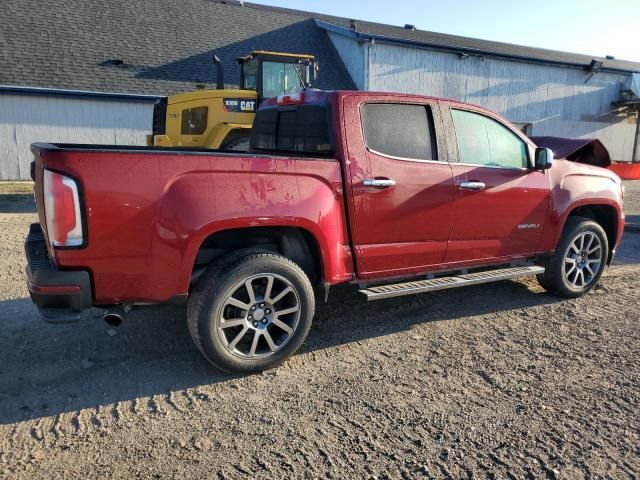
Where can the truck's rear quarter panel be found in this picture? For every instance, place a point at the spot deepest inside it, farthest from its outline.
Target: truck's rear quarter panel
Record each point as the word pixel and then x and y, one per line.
pixel 148 212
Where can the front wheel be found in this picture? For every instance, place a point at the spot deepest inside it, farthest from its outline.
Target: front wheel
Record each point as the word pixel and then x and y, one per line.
pixel 579 260
pixel 251 313
pixel 238 144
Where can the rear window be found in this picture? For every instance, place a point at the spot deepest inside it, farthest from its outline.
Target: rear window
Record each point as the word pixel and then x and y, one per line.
pixel 304 129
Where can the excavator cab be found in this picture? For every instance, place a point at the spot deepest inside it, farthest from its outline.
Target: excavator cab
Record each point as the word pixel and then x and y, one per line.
pixel 222 118
pixel 271 74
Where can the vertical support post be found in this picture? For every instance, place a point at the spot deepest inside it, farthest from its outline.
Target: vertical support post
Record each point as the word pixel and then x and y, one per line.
pixel 635 156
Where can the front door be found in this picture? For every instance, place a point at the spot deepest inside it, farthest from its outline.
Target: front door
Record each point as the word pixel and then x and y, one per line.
pixel 402 193
pixel 500 203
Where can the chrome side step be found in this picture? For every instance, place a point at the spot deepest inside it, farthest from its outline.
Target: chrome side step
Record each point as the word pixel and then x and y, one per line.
pixel 443 283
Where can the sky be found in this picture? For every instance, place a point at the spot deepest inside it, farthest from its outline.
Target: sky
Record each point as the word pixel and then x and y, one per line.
pixel 605 27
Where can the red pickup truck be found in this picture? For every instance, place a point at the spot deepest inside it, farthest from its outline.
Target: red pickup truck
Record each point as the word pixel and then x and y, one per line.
pixel 399 194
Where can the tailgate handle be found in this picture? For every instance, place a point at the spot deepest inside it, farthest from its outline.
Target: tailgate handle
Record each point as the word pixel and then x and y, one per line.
pixel 378 182
pixel 472 186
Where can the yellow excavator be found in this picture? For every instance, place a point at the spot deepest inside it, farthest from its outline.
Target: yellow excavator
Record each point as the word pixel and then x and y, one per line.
pixel 222 118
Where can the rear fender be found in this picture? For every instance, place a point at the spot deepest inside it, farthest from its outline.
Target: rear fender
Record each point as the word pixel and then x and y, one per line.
pixel 200 204
pixel 220 132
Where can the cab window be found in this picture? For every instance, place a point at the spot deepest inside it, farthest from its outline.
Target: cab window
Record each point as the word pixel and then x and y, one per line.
pixel 399 130
pixel 280 78
pixel 250 74
pixel 484 141
pixel 194 121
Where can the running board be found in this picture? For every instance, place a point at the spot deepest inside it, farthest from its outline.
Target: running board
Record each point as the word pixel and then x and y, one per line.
pixel 443 283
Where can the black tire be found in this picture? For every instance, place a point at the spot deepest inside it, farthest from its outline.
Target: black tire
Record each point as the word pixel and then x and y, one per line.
pixel 238 144
pixel 555 279
pixel 208 304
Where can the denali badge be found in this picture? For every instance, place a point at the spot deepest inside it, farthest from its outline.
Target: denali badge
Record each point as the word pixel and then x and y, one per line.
pixel 528 225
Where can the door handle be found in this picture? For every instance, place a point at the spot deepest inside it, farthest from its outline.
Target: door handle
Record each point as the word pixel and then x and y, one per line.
pixel 378 182
pixel 472 186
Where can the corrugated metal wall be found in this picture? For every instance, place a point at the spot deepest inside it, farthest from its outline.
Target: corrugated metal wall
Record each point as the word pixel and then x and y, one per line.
pixel 556 100
pixel 353 56
pixel 25 119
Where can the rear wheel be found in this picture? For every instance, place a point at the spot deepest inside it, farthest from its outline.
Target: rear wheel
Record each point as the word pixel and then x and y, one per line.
pixel 251 313
pixel 579 260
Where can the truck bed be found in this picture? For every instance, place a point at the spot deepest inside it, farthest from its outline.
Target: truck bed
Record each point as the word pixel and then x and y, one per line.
pixel 85 147
pixel 149 209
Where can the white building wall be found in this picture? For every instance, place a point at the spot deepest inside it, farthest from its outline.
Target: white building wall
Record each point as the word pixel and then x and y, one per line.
pixel 353 56
pixel 556 100
pixel 25 119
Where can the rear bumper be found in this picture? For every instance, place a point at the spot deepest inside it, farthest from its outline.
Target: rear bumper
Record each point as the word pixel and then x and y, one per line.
pixel 60 295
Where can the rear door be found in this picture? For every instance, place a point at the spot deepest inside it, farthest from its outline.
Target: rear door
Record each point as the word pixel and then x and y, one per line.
pixel 500 203
pixel 402 192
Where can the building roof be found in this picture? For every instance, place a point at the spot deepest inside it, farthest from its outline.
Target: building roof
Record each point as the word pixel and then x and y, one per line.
pixel 165 46
pixel 364 29
pixel 393 34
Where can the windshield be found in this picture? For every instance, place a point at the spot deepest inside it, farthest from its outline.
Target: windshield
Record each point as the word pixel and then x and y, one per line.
pixel 279 78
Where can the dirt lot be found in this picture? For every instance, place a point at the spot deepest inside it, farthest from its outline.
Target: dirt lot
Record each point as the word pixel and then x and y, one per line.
pixel 497 381
pixel 632 202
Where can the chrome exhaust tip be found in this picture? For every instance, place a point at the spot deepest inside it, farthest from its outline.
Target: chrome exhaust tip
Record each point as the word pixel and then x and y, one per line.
pixel 115 316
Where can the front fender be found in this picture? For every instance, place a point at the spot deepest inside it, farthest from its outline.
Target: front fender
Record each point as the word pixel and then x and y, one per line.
pixel 576 186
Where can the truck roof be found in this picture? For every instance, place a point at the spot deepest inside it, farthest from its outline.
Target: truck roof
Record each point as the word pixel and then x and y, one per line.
pixel 315 96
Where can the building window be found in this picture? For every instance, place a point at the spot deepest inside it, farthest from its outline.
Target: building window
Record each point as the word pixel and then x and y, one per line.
pixel 399 130
pixel 484 141
pixel 194 121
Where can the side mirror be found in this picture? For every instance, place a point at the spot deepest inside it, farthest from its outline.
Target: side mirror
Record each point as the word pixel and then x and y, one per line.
pixel 544 158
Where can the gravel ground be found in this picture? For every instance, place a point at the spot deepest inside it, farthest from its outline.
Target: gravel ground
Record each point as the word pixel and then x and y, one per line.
pixel 632 201
pixel 501 381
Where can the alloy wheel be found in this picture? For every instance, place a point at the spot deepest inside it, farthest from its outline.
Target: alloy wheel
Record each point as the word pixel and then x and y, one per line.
pixel 259 316
pixel 583 259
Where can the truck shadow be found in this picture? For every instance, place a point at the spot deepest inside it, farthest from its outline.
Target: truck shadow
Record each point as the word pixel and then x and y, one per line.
pixel 48 370
pixel 17 203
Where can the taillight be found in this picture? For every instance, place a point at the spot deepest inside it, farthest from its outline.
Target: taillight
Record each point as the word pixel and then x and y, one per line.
pixel 62 210
pixel 291 99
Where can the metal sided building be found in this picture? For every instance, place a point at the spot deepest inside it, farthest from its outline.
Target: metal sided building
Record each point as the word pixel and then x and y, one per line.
pixel 29 115
pixel 546 93
pixel 90 72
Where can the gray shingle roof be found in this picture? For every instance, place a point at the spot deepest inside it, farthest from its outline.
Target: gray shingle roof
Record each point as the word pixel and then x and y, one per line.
pixel 434 39
pixel 166 46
